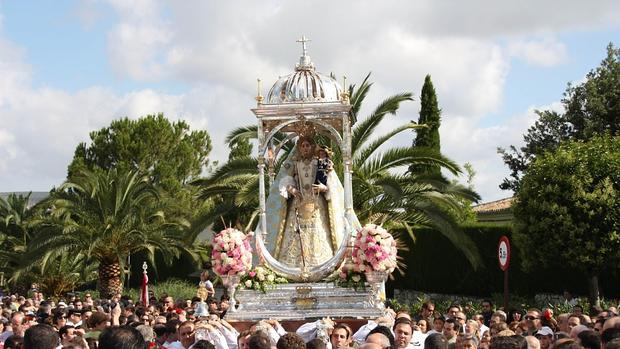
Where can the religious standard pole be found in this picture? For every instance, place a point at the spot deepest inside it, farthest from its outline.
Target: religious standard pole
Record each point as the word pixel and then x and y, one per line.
pixel 261 168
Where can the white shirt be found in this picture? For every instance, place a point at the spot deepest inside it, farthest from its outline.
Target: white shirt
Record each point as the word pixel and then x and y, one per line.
pixel 230 336
pixel 308 330
pixel 417 340
pixel 218 339
pixel 483 329
pixel 209 287
pixel 359 337
pixel 79 323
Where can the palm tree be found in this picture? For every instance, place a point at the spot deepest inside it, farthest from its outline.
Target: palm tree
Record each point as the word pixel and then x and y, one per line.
pixel 14 231
pixel 106 216
pixel 382 191
pixel 58 276
pixel 232 191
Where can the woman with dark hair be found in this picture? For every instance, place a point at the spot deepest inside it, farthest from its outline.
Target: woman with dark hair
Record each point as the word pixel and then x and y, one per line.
pixel 59 319
pixel 514 315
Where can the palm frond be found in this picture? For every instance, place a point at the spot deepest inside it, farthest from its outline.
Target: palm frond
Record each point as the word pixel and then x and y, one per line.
pixel 405 156
pixel 363 130
pixel 357 97
pixel 361 154
pixel 243 132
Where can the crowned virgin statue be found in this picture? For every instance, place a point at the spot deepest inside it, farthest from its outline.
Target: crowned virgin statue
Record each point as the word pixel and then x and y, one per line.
pixel 305 214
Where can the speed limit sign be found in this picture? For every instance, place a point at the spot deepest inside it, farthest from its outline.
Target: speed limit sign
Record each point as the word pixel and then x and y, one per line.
pixel 503 253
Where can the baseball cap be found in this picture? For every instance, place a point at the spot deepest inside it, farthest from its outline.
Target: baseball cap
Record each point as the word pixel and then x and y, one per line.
pixel 544 331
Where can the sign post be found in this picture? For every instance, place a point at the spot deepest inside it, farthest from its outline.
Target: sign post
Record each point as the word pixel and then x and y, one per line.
pixel 503 257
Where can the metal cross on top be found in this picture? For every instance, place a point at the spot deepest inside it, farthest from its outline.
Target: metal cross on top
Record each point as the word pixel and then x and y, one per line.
pixel 303 41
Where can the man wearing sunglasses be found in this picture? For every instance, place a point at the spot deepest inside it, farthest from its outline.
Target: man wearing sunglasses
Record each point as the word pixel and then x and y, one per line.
pixel 532 319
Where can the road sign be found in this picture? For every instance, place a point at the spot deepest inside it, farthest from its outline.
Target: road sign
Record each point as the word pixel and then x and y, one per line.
pixel 503 253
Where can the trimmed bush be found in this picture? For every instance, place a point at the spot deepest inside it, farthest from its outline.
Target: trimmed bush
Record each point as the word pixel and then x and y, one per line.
pixel 434 265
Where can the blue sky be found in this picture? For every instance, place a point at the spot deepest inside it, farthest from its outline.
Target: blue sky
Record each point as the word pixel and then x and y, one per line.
pixel 69 67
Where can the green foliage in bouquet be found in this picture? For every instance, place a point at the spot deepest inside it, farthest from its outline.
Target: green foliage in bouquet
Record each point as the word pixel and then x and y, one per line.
pixel 261 279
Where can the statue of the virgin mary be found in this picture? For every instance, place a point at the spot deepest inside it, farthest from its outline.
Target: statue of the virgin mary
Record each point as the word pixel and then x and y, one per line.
pixel 305 218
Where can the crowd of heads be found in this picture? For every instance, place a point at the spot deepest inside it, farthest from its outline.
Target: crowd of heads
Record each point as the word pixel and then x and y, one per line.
pixel 520 329
pixel 81 322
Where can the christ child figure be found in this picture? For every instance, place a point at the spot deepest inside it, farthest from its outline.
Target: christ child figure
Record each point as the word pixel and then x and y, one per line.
pixel 324 165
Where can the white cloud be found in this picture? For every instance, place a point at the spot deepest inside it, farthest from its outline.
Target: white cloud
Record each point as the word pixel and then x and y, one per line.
pixel 204 107
pixel 45 144
pixel 468 74
pixel 14 73
pixel 231 42
pixel 8 150
pixel 469 142
pixel 136 42
pixel 544 53
pixel 491 19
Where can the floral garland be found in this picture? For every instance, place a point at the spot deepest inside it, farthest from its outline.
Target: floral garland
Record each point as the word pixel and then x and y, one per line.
pixel 232 253
pixel 261 279
pixel 374 249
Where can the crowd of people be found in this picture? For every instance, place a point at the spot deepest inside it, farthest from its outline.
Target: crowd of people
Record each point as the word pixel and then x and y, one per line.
pixel 85 323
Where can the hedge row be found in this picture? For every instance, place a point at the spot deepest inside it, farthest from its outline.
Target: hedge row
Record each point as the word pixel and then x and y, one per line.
pixel 434 265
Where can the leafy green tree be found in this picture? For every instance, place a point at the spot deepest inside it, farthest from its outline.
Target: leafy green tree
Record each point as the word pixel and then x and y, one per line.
pixel 591 108
pixel 380 193
pixel 168 153
pixel 569 207
pixel 106 216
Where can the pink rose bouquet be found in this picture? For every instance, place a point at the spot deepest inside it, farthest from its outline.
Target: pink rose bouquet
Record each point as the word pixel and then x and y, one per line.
pixel 374 249
pixel 232 253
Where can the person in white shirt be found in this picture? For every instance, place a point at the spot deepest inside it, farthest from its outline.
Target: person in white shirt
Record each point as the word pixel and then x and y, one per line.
pixel 359 337
pixel 437 326
pixel 483 328
pixel 204 280
pixel 318 329
pixel 229 333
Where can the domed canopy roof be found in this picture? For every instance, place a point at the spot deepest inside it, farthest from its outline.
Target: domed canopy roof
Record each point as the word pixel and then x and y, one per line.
pixel 304 85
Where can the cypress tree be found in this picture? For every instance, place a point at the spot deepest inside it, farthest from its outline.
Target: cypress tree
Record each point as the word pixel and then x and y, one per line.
pixel 430 115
